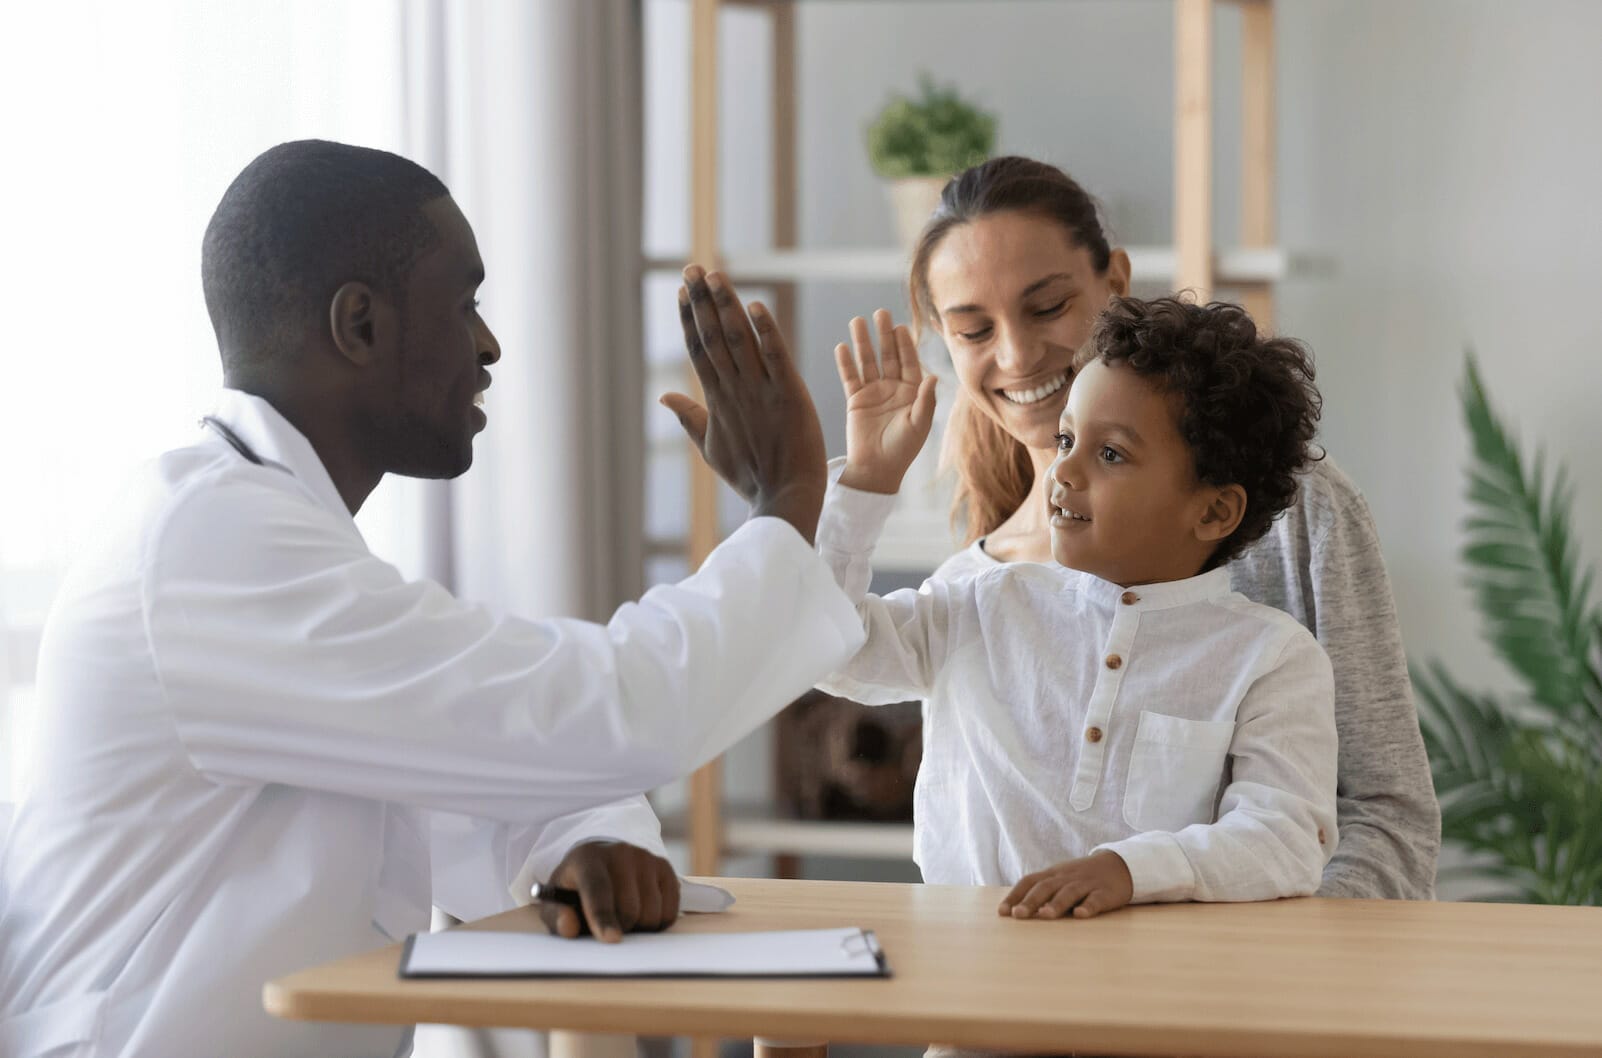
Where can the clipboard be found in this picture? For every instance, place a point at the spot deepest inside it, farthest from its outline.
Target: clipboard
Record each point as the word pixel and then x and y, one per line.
pixel 808 953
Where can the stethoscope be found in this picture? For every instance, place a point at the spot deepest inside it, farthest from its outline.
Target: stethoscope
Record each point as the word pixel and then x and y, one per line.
pixel 227 434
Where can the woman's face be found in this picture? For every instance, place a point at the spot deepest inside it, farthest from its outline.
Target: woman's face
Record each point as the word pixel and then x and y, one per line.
pixel 1014 299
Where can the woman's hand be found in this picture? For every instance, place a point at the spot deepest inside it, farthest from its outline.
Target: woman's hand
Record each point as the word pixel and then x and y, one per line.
pixel 889 404
pixel 1085 887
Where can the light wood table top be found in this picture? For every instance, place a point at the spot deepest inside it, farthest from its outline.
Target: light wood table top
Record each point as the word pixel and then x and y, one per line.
pixel 1338 978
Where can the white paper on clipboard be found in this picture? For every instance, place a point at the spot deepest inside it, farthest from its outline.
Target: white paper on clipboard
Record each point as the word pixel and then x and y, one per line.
pixel 848 952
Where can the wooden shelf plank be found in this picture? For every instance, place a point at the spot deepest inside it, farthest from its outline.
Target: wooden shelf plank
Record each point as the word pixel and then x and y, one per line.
pixel 907 546
pixel 756 831
pixel 1193 147
pixel 1149 264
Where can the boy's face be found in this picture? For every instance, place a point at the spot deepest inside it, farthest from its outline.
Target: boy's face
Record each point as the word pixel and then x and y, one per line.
pixel 1123 495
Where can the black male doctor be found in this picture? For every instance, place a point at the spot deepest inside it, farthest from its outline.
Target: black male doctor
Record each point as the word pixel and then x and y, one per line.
pixel 251 727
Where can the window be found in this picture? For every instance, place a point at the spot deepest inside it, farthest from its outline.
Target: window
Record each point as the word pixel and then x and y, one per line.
pixel 132 119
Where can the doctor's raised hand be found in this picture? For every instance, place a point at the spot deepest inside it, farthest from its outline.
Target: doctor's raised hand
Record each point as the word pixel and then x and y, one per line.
pixel 890 404
pixel 758 428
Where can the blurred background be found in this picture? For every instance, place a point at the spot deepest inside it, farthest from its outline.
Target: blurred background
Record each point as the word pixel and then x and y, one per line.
pixel 1437 175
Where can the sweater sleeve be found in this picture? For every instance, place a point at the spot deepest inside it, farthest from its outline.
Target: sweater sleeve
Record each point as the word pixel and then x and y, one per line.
pixel 1390 821
pixel 1321 563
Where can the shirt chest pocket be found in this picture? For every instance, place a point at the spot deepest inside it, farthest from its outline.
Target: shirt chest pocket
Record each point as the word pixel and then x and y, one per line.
pixel 1175 770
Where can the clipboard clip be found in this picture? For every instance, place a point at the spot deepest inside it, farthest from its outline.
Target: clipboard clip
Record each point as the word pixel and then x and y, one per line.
pixel 863 942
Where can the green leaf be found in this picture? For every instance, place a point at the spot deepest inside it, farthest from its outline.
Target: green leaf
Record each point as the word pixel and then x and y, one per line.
pixel 1520 783
pixel 936 134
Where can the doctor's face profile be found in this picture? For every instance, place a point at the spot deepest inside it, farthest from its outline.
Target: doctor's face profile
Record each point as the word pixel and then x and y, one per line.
pixel 430 396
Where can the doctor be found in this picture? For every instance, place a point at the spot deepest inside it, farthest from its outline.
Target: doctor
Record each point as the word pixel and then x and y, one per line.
pixel 262 749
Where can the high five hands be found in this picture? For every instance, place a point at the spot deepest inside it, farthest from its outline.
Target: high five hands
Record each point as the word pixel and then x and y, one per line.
pixel 890 404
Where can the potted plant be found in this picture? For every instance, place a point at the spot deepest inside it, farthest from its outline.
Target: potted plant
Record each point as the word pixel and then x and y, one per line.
pixel 920 143
pixel 1520 777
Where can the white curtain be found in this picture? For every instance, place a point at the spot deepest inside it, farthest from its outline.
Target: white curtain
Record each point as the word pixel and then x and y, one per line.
pixel 127 121
pixel 124 123
pixel 531 113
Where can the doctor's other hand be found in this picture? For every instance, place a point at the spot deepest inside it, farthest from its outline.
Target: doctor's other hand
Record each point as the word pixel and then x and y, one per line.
pixel 1084 888
pixel 890 404
pixel 758 429
pixel 624 889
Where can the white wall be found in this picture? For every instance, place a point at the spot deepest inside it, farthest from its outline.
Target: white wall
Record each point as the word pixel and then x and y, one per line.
pixel 1448 157
pixel 1442 157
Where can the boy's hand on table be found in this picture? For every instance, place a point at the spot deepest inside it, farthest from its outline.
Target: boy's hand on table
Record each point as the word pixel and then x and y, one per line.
pixel 624 889
pixel 1084 887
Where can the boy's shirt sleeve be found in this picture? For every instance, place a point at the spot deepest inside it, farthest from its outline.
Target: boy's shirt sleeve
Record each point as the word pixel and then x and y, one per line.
pixel 1276 819
pixel 906 630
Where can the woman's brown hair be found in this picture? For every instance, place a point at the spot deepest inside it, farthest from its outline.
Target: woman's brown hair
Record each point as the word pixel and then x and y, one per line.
pixel 994 474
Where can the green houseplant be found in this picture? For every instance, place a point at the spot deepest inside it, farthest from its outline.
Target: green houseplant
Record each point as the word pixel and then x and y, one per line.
pixel 918 143
pixel 1520 779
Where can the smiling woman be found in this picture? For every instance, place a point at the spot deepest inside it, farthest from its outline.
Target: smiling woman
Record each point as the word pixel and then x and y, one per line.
pixel 1012 271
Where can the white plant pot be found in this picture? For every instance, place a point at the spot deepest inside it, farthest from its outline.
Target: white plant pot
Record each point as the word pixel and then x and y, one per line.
pixel 914 199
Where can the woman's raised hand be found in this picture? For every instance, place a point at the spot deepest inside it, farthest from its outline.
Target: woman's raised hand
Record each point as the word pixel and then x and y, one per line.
pixel 890 404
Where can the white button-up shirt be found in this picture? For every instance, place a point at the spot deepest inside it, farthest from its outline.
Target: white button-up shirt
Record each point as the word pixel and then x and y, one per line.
pixel 261 748
pixel 1180 725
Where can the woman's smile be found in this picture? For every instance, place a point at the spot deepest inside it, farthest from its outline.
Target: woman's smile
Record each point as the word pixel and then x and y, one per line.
pixel 1036 394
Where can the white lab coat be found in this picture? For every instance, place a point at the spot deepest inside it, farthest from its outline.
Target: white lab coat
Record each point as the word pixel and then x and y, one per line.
pixel 254 734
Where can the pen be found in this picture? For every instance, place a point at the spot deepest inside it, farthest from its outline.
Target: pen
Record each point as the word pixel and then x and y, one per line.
pixel 556 894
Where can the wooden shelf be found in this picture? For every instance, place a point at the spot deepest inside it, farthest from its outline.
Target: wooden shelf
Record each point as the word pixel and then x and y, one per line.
pixel 749 830
pixel 1148 264
pixel 909 544
pixel 915 543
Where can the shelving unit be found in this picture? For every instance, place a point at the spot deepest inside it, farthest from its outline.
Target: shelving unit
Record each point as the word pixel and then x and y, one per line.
pixel 758 830
pixel 1249 268
pixel 1241 266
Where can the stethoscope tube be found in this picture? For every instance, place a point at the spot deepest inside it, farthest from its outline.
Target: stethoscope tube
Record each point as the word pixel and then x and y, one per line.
pixel 227 434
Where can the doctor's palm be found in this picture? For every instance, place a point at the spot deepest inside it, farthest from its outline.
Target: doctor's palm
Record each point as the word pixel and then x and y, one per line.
pixel 758 429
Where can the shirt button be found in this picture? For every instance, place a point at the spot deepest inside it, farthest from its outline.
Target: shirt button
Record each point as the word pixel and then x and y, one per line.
pixel 1114 661
pixel 1321 838
pixel 1093 734
pixel 1129 598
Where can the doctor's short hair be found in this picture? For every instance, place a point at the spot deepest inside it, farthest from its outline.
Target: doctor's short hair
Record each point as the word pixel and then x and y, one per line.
pixel 1248 407
pixel 298 222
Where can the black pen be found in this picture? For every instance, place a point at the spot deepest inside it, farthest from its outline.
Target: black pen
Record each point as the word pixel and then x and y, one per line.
pixel 555 894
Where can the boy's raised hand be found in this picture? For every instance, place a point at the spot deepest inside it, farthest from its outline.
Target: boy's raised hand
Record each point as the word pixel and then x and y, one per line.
pixel 1083 888
pixel 889 404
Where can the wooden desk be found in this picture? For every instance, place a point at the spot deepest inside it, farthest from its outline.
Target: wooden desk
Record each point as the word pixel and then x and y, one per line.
pixel 1336 978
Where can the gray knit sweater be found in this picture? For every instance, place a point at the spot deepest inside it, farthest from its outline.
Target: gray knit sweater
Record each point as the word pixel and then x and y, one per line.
pixel 1321 563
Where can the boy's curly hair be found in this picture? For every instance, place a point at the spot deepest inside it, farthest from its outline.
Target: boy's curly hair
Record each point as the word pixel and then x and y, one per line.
pixel 1250 409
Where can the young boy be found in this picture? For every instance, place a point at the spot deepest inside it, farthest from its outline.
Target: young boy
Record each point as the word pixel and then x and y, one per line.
pixel 1120 727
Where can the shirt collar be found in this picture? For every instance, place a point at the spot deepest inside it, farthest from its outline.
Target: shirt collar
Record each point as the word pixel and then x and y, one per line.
pixel 1209 585
pixel 1167 595
pixel 275 440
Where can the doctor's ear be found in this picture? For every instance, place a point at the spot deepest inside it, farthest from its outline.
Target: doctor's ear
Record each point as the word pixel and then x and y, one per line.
pixel 1225 508
pixel 354 322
